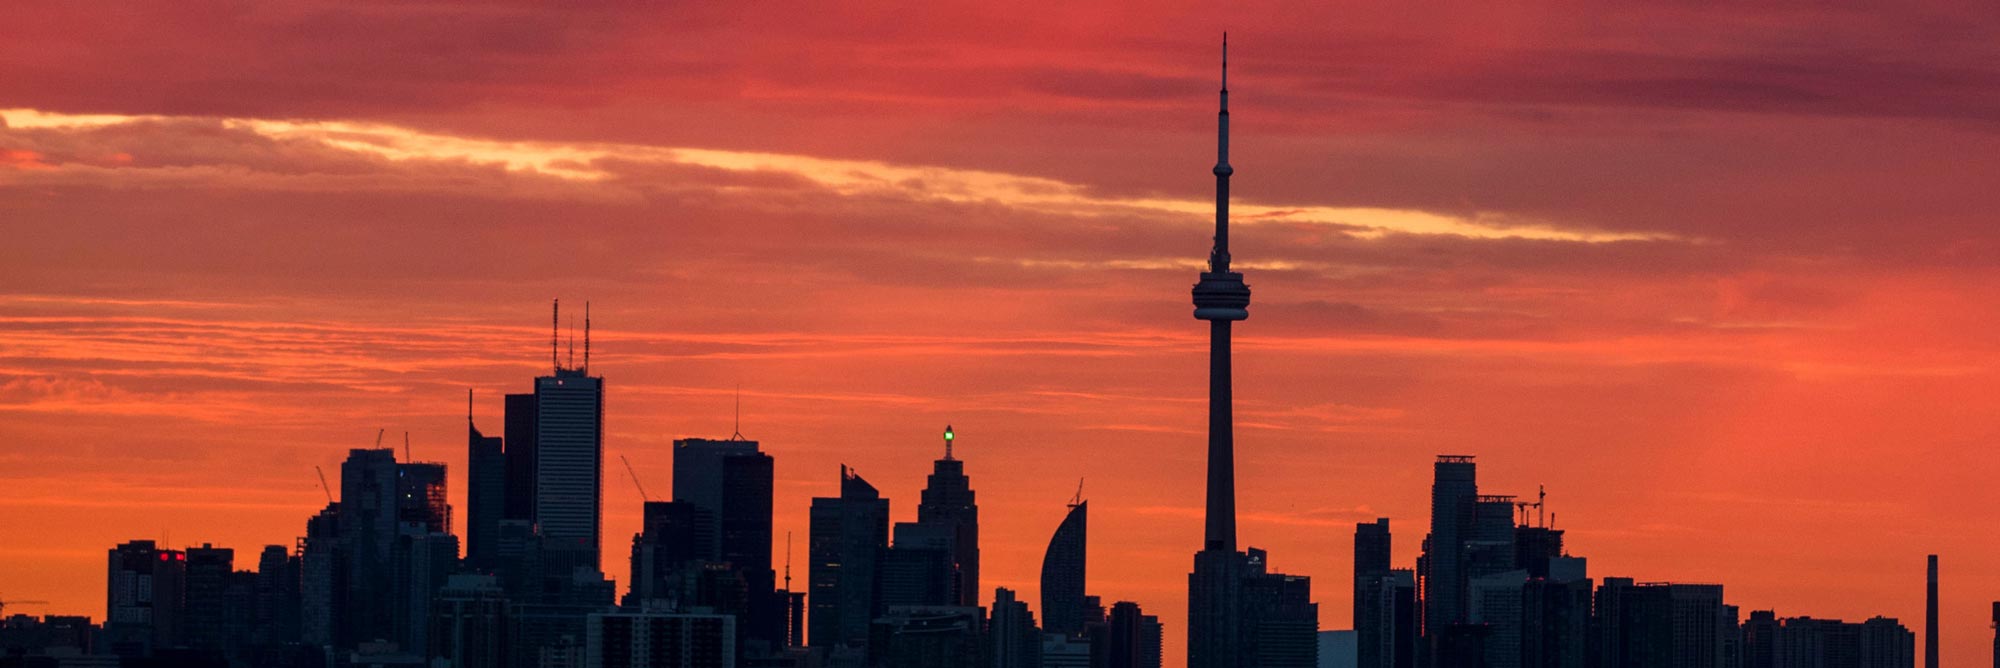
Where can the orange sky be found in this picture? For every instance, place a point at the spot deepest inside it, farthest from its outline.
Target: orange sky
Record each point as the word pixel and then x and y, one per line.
pixel 1721 279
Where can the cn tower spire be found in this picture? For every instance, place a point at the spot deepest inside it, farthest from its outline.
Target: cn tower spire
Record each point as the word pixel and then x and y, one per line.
pixel 1221 298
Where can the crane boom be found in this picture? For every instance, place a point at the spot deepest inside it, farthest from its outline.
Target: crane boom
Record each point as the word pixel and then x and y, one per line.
pixel 635 478
pixel 322 483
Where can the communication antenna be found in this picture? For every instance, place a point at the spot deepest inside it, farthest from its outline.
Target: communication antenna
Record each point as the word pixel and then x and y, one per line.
pixel 555 333
pixel 406 448
pixel 635 480
pixel 468 407
pixel 378 437
pixel 788 561
pixel 1077 500
pixel 586 338
pixel 322 483
pixel 738 436
pixel 948 438
pixel 572 344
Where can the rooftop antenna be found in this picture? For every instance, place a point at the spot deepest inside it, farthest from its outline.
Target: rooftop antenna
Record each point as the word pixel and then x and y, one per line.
pixel 406 448
pixel 586 338
pixel 635 479
pixel 738 436
pixel 1077 500
pixel 948 438
pixel 788 561
pixel 378 437
pixel 468 407
pixel 322 483
pixel 1541 497
pixel 555 333
pixel 572 344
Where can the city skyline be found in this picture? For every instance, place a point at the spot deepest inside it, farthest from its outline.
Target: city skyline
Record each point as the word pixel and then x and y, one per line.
pixel 1679 370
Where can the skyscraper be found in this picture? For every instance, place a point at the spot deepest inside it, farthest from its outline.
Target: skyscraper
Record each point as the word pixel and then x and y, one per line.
pixel 485 493
pixel 848 535
pixel 1011 630
pixel 1931 614
pixel 1063 570
pixel 519 430
pixel 569 466
pixel 728 483
pixel 1134 637
pixel 1219 613
pixel 1454 494
pixel 367 524
pixel 949 502
pixel 1373 637
pixel 143 598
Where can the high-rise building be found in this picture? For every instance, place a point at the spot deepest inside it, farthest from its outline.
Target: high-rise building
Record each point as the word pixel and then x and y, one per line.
pixel 729 483
pixel 1659 625
pixel 1063 570
pixel 1011 629
pixel 485 493
pixel 519 430
pixel 929 637
pixel 205 595
pixel 143 598
pixel 569 466
pixel 468 623
pixel 673 539
pixel 1374 642
pixel 1239 614
pixel 322 579
pixel 949 502
pixel 1134 637
pixel 277 597
pixel 369 511
pixel 640 639
pixel 917 569
pixel 1454 493
pixel 1805 642
pixel 848 535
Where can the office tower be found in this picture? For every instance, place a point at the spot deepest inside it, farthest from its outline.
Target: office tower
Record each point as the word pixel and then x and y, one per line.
pixel 278 600
pixel 1760 639
pixel 1135 637
pixel 1555 609
pixel 422 503
pixel 848 534
pixel 673 537
pixel 948 501
pixel 1805 642
pixel 1373 639
pixel 368 528
pixel 929 637
pixel 1016 643
pixel 918 568
pixel 569 466
pixel 1931 614
pixel 519 430
pixel 143 599
pixel 1279 623
pixel 660 640
pixel 422 563
pixel 1658 625
pixel 729 482
pixel 204 593
pixel 1063 570
pixel 1454 494
pixel 468 623
pixel 1886 643
pixel 322 579
pixel 485 493
pixel 1493 603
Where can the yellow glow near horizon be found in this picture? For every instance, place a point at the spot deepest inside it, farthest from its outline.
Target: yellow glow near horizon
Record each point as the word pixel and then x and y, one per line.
pixel 578 162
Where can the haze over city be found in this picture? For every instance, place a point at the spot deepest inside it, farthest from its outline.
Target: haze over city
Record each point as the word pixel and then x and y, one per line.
pixel 1720 279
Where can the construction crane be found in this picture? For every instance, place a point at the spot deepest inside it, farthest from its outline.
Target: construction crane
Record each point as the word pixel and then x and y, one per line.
pixel 1521 507
pixel 635 478
pixel 322 483
pixel 4 604
pixel 1077 500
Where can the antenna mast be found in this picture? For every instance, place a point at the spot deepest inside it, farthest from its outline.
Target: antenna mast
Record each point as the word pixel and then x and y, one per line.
pixel 788 561
pixel 586 338
pixel 406 448
pixel 555 334
pixel 1077 500
pixel 738 435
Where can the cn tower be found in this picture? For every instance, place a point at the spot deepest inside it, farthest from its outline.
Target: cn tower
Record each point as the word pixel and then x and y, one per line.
pixel 1220 298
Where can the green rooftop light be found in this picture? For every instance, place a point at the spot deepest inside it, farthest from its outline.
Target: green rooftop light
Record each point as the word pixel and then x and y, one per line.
pixel 947 432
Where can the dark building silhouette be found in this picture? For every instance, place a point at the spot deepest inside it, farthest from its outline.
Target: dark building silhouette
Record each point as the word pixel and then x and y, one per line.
pixel 369 511
pixel 206 596
pixel 729 483
pixel 1931 613
pixel 1374 637
pixel 468 623
pixel 1134 637
pixel 660 640
pixel 1238 613
pixel 1660 625
pixel 1064 566
pixel 143 598
pixel 1016 642
pixel 949 503
pixel 485 494
pixel 1805 642
pixel 519 432
pixel 278 601
pixel 322 579
pixel 918 569
pixel 1454 493
pixel 673 539
pixel 848 535
pixel 929 637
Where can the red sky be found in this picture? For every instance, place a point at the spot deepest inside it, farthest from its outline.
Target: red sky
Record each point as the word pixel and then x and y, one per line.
pixel 1721 278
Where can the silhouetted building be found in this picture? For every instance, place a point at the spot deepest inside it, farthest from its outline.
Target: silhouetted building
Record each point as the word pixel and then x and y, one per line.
pixel 1660 625
pixel 1016 643
pixel 729 482
pixel 917 570
pixel 206 595
pixel 1279 623
pixel 469 622
pixel 660 640
pixel 848 535
pixel 485 494
pixel 423 562
pixel 1374 636
pixel 949 504
pixel 322 579
pixel 1134 637
pixel 278 600
pixel 1064 566
pixel 1441 571
pixel 929 637
pixel 368 529
pixel 519 432
pixel 1555 615
pixel 1805 642
pixel 143 598
pixel 25 639
pixel 672 540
